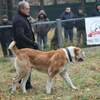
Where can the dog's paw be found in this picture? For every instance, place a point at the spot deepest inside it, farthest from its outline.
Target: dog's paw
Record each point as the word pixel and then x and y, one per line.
pixel 24 92
pixel 12 92
pixel 75 88
pixel 48 92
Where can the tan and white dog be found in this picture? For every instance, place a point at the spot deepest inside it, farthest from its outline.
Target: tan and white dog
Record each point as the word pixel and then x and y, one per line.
pixel 51 62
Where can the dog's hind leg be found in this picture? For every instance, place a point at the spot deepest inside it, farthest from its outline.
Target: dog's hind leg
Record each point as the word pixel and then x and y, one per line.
pixel 15 81
pixel 20 75
pixel 13 87
pixel 66 77
pixel 23 83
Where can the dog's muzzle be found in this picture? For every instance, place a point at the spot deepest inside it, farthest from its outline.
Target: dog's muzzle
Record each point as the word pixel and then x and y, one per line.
pixel 81 56
pixel 80 59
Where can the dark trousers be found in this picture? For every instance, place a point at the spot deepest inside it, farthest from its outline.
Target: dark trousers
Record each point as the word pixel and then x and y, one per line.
pixel 42 40
pixel 68 35
pixel 81 35
pixel 28 83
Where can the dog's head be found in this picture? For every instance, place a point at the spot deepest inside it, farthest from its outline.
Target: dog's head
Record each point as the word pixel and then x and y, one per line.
pixel 76 53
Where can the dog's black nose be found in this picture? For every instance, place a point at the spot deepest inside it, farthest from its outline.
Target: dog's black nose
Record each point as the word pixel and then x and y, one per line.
pixel 80 60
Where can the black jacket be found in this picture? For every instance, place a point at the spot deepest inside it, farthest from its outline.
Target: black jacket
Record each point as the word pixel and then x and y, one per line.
pixel 80 24
pixel 67 16
pixel 6 33
pixel 22 31
pixel 95 13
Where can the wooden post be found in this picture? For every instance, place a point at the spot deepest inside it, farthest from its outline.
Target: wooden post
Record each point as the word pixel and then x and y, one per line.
pixel 59 33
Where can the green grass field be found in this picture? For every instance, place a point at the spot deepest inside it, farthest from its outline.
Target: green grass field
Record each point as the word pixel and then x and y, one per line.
pixel 85 75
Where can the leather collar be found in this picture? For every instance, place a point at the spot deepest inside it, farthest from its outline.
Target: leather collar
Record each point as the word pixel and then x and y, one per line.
pixel 69 55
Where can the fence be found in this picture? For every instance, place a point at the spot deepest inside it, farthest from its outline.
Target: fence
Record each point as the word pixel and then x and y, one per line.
pixel 56 33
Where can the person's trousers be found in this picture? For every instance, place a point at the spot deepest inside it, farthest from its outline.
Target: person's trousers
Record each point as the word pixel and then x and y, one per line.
pixel 68 35
pixel 42 41
pixel 28 83
pixel 81 35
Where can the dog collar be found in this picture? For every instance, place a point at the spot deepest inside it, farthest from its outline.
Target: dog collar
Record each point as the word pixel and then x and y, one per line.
pixel 69 55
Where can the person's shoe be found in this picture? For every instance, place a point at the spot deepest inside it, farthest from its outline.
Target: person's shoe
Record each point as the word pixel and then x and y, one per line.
pixel 28 86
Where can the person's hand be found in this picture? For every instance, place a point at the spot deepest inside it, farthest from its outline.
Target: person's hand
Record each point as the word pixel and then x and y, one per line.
pixel 35 45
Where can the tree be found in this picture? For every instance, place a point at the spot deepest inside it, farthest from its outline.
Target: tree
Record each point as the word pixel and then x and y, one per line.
pixel 9 9
pixel 41 3
pixel 83 4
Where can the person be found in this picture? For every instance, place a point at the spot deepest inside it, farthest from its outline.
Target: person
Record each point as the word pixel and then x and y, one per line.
pixel 80 25
pixel 22 31
pixel 68 26
pixel 5 36
pixel 96 11
pixel 42 29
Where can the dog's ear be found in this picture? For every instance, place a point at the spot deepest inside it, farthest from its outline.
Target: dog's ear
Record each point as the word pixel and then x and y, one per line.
pixel 77 50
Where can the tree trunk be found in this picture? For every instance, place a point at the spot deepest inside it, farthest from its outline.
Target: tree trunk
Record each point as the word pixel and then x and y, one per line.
pixel 55 2
pixel 83 4
pixel 41 4
pixel 10 9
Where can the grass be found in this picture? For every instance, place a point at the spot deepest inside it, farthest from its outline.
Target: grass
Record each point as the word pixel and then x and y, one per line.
pixel 85 75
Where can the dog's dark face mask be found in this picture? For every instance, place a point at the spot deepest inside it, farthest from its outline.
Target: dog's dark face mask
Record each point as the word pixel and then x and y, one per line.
pixel 80 56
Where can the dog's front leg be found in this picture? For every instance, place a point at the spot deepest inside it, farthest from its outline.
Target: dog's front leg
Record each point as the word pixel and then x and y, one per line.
pixel 13 88
pixel 49 86
pixel 66 77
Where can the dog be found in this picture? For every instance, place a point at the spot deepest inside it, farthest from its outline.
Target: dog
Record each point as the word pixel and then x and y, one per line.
pixel 51 62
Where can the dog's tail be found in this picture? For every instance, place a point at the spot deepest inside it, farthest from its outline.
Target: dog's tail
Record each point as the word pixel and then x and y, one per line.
pixel 13 47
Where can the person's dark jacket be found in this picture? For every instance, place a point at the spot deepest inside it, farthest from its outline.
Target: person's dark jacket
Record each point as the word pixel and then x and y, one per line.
pixel 80 24
pixel 22 32
pixel 96 13
pixel 6 33
pixel 66 16
pixel 6 37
